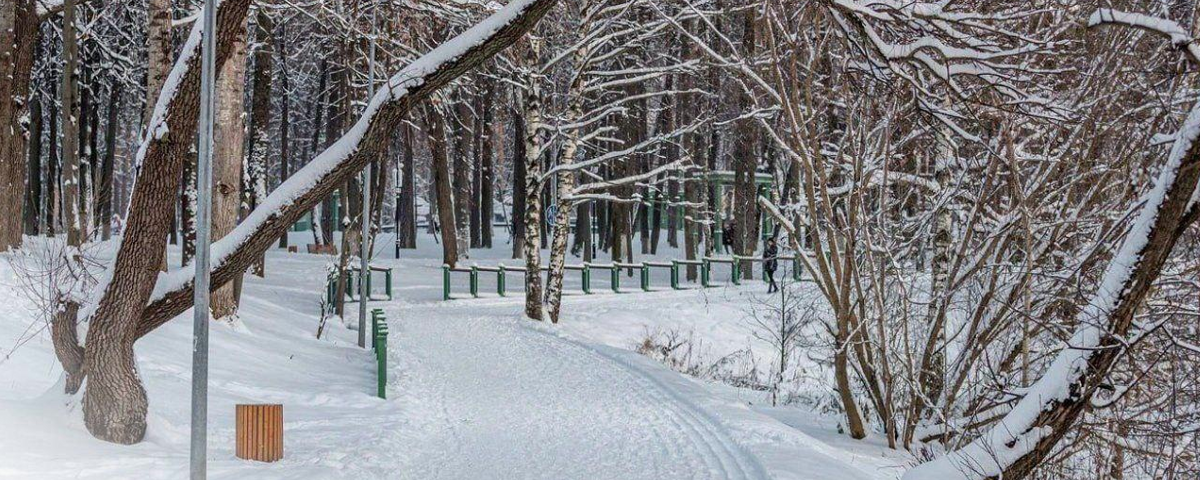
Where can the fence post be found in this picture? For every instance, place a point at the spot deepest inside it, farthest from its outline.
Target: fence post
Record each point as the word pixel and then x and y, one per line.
pixel 735 271
pixel 381 360
pixel 645 278
pixel 675 274
pixel 375 328
pixel 705 271
pixel 387 282
pixel 445 282
pixel 474 281
pixel 500 281
pixel 796 267
pixel 615 276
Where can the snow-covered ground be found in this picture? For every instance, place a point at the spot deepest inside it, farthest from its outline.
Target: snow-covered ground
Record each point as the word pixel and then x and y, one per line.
pixel 475 390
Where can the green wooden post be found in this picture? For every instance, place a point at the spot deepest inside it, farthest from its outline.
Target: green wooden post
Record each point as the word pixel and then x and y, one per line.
pixel 381 359
pixel 474 281
pixel 375 329
pixel 674 274
pixel 705 272
pixel 796 267
pixel 587 278
pixel 387 282
pixel 645 278
pixel 445 282
pixel 615 274
pixel 500 277
pixel 735 271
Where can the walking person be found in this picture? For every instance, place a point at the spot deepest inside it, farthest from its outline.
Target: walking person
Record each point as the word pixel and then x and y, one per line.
pixel 770 263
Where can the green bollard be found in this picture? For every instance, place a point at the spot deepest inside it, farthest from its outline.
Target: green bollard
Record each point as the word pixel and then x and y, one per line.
pixel 387 282
pixel 445 282
pixel 674 275
pixel 645 278
pixel 500 281
pixel 474 281
pixel 381 361
pixel 615 276
pixel 705 271
pixel 587 279
pixel 735 272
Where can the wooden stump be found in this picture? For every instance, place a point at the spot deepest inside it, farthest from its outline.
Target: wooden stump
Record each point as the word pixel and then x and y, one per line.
pixel 260 432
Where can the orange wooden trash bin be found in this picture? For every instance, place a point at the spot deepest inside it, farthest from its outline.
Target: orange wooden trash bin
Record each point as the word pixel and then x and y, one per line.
pixel 260 432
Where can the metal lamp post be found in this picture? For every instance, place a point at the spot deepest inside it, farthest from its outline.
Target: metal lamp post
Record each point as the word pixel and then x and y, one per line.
pixel 364 290
pixel 199 452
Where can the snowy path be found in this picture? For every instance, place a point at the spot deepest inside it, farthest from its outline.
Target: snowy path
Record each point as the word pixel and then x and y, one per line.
pixel 517 402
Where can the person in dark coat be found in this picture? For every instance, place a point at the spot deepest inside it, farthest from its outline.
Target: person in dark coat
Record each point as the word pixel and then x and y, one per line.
pixel 770 264
pixel 727 232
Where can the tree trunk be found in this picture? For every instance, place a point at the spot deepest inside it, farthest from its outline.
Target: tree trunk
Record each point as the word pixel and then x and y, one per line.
pixel 104 187
pixel 69 131
pixel 487 167
pixel 441 180
pixel 462 178
pixel 228 157
pixel 518 184
pixel 406 229
pixel 533 171
pixel 53 179
pixel 285 124
pixel 259 127
pixel 18 36
pixel 33 194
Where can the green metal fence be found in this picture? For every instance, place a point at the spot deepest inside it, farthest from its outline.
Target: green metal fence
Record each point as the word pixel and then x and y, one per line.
pixel 705 265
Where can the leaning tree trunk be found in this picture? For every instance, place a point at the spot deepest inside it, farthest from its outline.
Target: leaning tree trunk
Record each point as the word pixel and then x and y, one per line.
pixel 227 162
pixel 114 403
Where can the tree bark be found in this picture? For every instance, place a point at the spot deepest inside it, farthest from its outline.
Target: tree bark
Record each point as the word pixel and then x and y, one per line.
pixel 259 127
pixel 18 36
pixel 228 158
pixel 33 194
pixel 442 183
pixel 517 217
pixel 462 177
pixel 406 204
pixel 69 130
pixel 531 246
pixel 104 188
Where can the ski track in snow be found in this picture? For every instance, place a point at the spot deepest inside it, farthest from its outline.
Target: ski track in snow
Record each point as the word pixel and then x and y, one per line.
pixel 520 402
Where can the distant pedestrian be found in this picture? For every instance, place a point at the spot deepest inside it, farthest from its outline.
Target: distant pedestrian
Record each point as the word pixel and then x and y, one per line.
pixel 770 264
pixel 727 232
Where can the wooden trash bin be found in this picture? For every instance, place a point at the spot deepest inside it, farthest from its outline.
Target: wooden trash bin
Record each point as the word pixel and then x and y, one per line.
pixel 260 432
